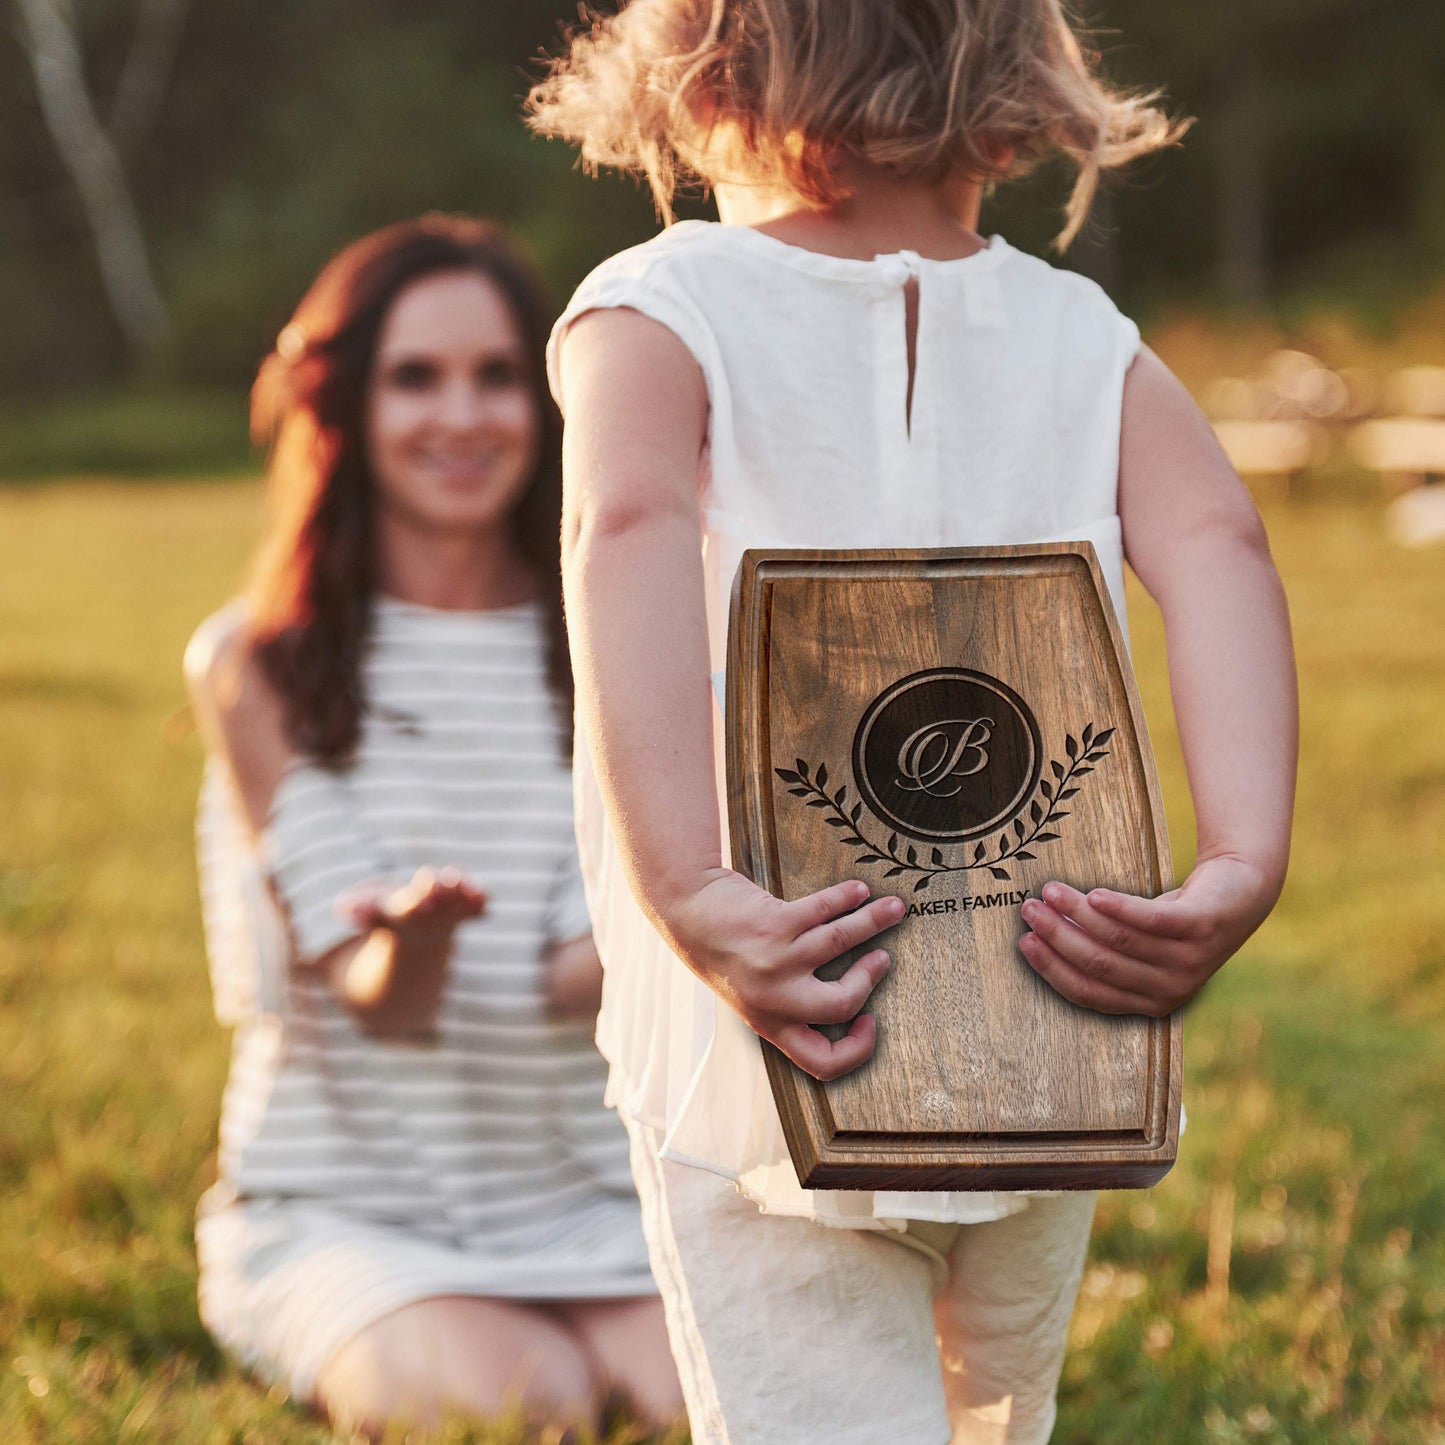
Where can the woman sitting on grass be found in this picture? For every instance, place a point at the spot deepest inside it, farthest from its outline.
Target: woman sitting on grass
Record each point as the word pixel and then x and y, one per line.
pixel 423 1205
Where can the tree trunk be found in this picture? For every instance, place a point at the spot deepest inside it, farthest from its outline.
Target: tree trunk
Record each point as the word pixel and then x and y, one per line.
pixel 1242 151
pixel 147 69
pixel 95 168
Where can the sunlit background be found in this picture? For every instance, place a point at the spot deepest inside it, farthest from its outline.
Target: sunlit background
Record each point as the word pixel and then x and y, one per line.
pixel 173 173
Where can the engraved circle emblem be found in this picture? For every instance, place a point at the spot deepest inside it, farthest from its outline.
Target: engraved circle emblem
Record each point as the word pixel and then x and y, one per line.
pixel 947 755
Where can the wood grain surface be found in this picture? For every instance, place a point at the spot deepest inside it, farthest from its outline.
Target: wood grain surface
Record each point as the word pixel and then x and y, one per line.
pixel 958 727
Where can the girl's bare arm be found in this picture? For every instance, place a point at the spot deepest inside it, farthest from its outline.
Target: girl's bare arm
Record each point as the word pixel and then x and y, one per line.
pixel 636 409
pixel 1195 538
pixel 390 976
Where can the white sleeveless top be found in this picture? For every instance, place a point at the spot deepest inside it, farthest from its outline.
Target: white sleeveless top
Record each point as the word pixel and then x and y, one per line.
pixel 1013 437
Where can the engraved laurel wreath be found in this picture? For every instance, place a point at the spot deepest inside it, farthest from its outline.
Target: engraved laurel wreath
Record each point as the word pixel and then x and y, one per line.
pixel 1012 845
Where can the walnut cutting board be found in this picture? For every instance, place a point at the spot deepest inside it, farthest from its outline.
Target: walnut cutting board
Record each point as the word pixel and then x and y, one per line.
pixel 958 727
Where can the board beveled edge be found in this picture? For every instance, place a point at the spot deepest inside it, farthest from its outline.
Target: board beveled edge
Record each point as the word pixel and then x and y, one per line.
pixel 822 1157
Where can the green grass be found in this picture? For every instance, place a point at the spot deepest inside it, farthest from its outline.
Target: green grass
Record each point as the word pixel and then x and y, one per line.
pixel 1286 1283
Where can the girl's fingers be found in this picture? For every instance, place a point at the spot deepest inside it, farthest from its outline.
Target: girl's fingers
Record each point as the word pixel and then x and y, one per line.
pixel 837 1001
pixel 826 1058
pixel 1111 933
pixel 823 906
pixel 828 941
pixel 1086 954
pixel 1167 917
pixel 1077 987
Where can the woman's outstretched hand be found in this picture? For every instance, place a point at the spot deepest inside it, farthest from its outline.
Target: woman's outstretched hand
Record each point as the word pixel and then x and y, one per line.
pixel 1125 955
pixel 436 900
pixel 391 980
pixel 760 954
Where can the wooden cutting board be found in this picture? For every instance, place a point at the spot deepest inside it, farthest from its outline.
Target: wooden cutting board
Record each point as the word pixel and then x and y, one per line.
pixel 959 727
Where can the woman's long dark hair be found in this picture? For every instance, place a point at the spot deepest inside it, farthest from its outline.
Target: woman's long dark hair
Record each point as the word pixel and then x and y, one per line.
pixel 315 578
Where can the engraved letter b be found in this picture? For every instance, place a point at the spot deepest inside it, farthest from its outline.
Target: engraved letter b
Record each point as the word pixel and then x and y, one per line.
pixel 928 758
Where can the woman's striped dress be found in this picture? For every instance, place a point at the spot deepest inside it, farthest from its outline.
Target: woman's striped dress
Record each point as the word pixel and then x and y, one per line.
pixel 358 1175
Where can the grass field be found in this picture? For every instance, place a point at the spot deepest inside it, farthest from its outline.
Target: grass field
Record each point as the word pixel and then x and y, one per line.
pixel 1286 1283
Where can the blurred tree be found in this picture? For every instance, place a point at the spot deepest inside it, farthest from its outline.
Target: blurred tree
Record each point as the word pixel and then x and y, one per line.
pixel 366 121
pixel 1314 147
pixel 145 73
pixel 91 156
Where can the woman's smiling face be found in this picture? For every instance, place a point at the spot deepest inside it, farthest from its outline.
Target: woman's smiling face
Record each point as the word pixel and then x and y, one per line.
pixel 452 429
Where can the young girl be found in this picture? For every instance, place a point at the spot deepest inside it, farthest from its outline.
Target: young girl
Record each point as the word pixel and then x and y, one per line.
pixel 845 362
pixel 423 1205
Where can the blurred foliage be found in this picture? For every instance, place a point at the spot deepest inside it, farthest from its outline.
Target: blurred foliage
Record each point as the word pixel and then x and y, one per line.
pixel 130 431
pixel 287 131
pixel 290 128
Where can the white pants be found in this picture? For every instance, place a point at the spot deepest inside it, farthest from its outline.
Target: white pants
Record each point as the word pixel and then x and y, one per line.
pixel 788 1332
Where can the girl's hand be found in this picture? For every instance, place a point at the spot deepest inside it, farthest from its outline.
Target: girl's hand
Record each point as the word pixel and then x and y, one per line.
pixel 435 901
pixel 1125 955
pixel 760 955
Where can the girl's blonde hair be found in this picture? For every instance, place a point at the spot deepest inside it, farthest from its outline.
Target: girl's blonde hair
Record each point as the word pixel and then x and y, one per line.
pixel 773 91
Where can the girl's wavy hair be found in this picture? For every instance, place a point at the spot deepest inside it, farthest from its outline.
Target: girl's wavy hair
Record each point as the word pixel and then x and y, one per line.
pixel 314 578
pixel 687 91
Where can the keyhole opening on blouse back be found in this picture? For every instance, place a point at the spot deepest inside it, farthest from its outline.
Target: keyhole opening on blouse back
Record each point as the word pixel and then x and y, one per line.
pixel 910 330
